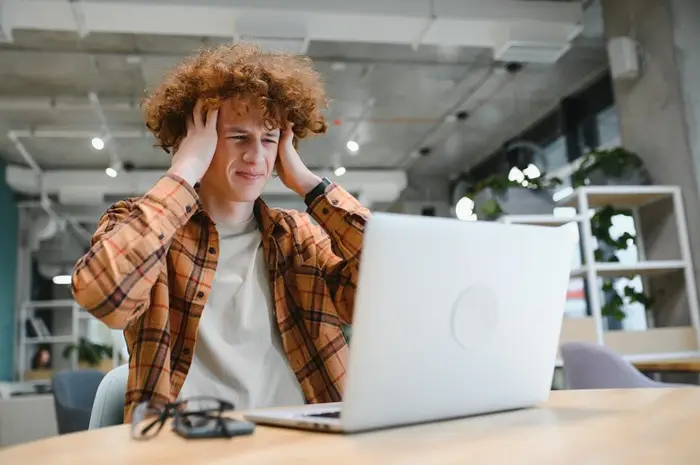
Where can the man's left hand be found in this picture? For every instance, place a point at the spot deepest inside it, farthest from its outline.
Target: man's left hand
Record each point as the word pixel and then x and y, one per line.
pixel 292 171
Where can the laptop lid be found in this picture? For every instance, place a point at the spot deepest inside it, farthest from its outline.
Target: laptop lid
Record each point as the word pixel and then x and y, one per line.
pixel 453 318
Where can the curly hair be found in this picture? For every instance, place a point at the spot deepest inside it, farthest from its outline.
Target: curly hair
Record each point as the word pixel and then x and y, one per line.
pixel 287 87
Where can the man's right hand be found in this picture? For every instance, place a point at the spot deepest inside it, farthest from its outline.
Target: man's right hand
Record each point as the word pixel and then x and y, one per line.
pixel 197 148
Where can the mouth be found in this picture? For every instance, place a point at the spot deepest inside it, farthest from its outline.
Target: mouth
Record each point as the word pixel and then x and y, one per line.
pixel 249 175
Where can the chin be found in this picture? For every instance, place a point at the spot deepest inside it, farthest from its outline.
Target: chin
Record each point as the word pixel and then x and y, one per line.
pixel 244 195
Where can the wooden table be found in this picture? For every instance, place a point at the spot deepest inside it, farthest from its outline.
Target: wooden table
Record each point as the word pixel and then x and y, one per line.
pixel 688 365
pixel 641 426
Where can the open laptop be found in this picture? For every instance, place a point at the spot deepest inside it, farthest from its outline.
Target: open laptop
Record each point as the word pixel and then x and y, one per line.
pixel 451 319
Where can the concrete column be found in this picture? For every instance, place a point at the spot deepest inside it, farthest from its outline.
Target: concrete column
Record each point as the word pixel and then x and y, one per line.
pixel 686 38
pixel 655 122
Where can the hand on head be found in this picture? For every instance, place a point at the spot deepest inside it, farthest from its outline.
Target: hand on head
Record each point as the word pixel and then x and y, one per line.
pixel 194 155
pixel 239 152
pixel 291 169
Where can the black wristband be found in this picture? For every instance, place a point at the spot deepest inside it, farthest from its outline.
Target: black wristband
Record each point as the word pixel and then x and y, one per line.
pixel 316 191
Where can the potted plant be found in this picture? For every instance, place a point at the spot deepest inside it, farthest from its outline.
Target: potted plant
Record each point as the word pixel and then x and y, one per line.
pixel 501 194
pixel 616 300
pixel 616 166
pixel 90 354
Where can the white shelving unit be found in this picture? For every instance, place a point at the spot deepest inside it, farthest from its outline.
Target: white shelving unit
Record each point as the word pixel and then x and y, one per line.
pixel 653 343
pixel 71 328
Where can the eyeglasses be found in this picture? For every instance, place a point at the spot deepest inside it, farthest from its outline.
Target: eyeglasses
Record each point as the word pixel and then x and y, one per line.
pixel 197 412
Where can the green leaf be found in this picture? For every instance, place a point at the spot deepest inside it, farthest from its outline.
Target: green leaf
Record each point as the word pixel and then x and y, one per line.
pixel 599 255
pixel 491 208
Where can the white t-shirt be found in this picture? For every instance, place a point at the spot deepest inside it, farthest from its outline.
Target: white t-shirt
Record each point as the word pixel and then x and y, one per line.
pixel 238 355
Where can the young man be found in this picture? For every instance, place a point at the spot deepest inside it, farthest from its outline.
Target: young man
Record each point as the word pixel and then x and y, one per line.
pixel 218 294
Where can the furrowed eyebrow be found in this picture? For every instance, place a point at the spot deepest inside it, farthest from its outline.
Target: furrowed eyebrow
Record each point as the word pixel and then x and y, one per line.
pixel 235 129
pixel 245 131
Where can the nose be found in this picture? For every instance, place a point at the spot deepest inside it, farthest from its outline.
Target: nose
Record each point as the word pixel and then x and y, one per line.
pixel 254 152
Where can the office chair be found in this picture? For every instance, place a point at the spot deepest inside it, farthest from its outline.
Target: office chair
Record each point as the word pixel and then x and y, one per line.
pixel 108 408
pixel 74 393
pixel 593 366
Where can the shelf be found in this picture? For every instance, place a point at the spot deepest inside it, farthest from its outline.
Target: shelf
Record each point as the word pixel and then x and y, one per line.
pixel 619 196
pixel 50 304
pixel 542 220
pixel 619 270
pixel 650 358
pixel 668 340
pixel 49 340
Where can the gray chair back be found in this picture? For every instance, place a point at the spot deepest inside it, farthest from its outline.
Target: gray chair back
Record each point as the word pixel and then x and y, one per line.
pixel 593 366
pixel 74 393
pixel 108 408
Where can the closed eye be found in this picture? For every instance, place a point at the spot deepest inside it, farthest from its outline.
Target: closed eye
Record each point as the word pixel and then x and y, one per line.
pixel 243 137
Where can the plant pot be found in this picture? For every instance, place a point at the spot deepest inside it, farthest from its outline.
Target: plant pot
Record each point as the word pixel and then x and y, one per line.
pixel 40 374
pixel 632 177
pixel 515 201
pixel 104 365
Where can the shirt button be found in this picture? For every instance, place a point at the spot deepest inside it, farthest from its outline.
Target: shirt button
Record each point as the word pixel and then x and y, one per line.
pixel 186 351
pixel 161 236
pixel 212 250
pixel 335 202
pixel 188 208
pixel 325 211
pixel 200 294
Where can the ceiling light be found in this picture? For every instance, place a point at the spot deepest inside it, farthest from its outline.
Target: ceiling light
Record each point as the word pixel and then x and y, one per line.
pixel 98 143
pixel 353 146
pixel 339 171
pixel 532 171
pixel 465 209
pixel 62 279
pixel 515 175
pixel 111 172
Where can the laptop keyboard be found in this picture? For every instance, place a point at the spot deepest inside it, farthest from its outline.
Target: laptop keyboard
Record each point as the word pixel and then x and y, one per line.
pixel 333 414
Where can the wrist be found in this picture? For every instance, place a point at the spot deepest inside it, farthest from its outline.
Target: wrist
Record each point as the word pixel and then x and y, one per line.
pixel 306 183
pixel 189 175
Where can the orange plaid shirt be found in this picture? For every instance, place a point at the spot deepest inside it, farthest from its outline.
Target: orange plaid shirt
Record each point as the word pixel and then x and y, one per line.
pixel 150 271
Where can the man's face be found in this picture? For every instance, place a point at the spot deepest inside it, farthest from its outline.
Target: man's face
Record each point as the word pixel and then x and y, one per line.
pixel 245 154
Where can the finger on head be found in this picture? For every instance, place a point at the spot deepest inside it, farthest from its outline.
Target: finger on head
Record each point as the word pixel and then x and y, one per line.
pixel 197 113
pixel 212 116
pixel 288 130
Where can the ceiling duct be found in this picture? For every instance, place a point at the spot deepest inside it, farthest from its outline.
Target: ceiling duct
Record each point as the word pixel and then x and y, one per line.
pixel 466 23
pixel 530 43
pixel 60 250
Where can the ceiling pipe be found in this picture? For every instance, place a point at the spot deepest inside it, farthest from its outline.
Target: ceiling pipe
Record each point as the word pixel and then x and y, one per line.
pixel 79 16
pixel 78 133
pixel 448 116
pixel 44 199
pixel 67 103
pixel 104 128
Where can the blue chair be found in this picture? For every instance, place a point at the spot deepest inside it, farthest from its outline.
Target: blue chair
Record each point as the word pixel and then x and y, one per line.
pixel 108 408
pixel 73 393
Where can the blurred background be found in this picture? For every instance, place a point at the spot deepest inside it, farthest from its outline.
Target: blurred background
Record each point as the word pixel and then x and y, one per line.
pixel 581 113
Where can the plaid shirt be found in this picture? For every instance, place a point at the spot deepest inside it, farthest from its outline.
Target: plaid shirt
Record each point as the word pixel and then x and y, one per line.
pixel 150 271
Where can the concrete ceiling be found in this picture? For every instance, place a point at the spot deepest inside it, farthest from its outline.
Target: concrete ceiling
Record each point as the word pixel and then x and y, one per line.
pixel 392 98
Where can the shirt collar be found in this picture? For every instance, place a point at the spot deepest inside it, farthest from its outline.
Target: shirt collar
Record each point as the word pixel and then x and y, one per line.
pixel 271 222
